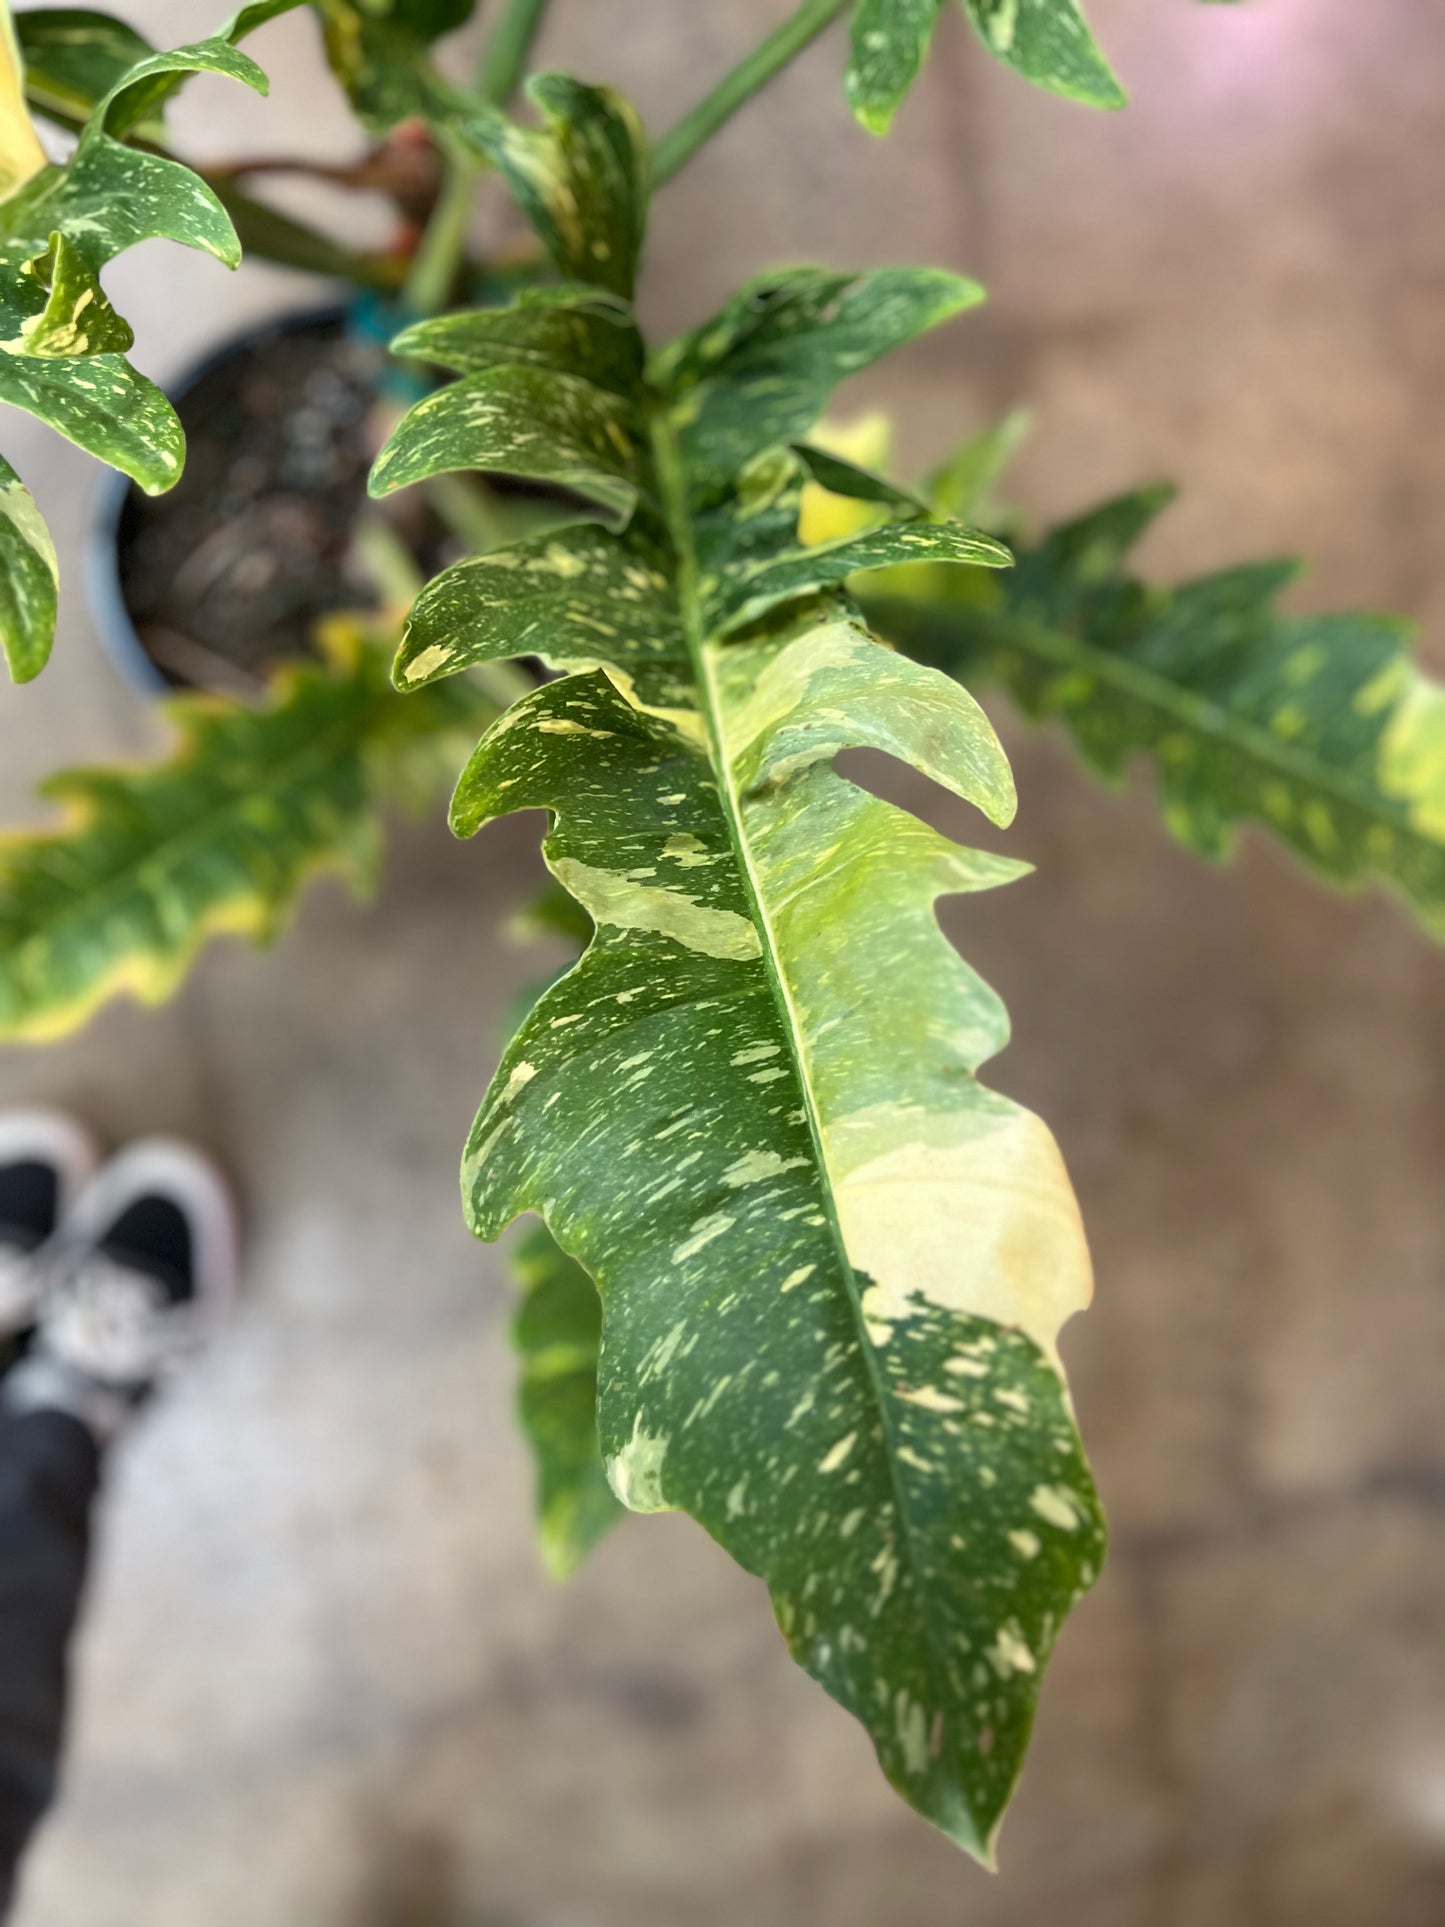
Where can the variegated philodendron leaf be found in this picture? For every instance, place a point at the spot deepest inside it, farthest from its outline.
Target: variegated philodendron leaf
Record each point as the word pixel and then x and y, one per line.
pixel 72 57
pixel 1321 729
pixel 220 837
pixel 557 1333
pixel 378 51
pixel 27 579
pixel 581 179
pixel 832 1264
pixel 1047 41
pixel 62 345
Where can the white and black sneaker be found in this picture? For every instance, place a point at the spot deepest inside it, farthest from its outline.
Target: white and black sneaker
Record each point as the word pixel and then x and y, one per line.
pixel 46 1161
pixel 142 1270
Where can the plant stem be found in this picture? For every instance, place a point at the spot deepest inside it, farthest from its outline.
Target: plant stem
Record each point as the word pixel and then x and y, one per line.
pixel 504 57
pixel 749 77
pixel 434 265
pixel 439 253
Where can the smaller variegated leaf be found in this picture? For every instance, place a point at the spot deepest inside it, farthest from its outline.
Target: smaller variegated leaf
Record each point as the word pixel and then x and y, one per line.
pixel 581 178
pixel 73 57
pixel 567 596
pixel 1320 729
pixel 557 1332
pixel 1047 41
pixel 749 593
pixel 103 406
pixel 378 51
pixel 218 838
pixel 519 420
pixel 140 95
pixel 567 330
pixel 60 225
pixel 761 372
pixel 27 579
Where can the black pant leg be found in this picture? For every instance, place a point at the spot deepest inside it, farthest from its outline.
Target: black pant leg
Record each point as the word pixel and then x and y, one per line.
pixel 49 1470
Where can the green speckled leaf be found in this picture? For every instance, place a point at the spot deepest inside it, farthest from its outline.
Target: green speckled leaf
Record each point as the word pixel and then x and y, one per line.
pixel 840 477
pixel 378 51
pixel 77 318
pixel 139 97
pixel 832 1264
pixel 134 96
pixel 566 596
pixel 890 41
pixel 106 408
pixel 1047 41
pixel 557 1332
pixel 581 178
pixel 519 420
pixel 63 343
pixel 761 372
pixel 73 56
pixel 27 579
pixel 569 330
pixel 218 838
pixel 1319 728
pixel 747 594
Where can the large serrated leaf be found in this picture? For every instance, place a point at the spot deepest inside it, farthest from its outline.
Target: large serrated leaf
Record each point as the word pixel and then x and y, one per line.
pixel 832 1264
pixel 1320 729
pixel 218 838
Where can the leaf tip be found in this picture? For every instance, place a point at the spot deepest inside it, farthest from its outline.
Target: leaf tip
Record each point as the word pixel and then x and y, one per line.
pixel 873 116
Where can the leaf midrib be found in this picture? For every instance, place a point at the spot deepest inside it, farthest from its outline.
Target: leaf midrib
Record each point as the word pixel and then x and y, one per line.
pixel 671 490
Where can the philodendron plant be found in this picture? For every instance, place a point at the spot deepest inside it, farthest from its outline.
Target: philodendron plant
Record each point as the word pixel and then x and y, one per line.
pixel 803 1272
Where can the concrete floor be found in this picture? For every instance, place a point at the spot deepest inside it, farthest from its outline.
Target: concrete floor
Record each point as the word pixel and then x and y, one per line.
pixel 323 1683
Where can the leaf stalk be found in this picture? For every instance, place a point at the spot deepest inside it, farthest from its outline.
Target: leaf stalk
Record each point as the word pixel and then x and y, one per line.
pixel 734 90
pixel 439 254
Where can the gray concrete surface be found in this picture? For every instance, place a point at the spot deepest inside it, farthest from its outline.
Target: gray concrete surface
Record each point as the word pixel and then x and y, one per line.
pixel 323 1683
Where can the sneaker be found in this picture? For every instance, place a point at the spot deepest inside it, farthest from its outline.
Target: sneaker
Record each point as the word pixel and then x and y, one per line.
pixel 144 1268
pixel 46 1160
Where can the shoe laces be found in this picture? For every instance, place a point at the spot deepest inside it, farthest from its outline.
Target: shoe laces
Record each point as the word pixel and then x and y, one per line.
pixel 113 1323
